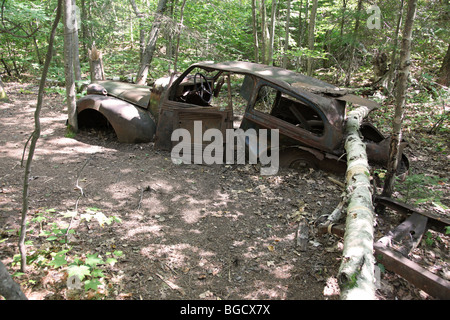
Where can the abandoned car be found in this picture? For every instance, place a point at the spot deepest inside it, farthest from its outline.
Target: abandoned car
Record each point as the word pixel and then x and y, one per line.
pixel 309 113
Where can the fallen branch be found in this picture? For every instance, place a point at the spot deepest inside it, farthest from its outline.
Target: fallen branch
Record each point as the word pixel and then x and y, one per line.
pixel 171 285
pixel 356 273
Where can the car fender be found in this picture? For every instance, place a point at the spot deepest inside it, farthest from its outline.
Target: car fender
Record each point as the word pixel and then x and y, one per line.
pixel 130 123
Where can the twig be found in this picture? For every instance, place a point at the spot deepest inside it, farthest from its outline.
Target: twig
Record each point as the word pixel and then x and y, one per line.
pixel 140 200
pixel 79 197
pixel 342 185
pixel 171 285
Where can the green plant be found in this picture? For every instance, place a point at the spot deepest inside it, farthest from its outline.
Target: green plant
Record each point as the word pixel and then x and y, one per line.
pixel 422 188
pixel 70 133
pixel 56 254
pixel 90 269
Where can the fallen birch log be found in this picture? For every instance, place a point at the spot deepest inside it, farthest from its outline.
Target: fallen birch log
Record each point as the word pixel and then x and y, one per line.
pixel 356 273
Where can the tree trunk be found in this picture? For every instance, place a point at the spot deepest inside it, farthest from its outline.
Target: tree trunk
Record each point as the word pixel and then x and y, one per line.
pixel 405 62
pixel 272 32
pixel 140 17
pixel 255 31
pixel 264 34
pixel 3 96
pixel 300 32
pixel 351 65
pixel 96 64
pixel 9 289
pixel 76 46
pixel 151 44
pixel 286 36
pixel 356 273
pixel 312 23
pixel 84 31
pixel 344 8
pixel 389 80
pixel 69 29
pixel 444 73
pixel 34 137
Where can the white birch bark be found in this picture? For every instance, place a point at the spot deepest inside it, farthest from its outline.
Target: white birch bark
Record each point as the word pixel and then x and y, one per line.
pixel 356 273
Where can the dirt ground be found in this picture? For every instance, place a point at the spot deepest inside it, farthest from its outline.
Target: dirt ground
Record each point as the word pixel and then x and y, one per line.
pixel 186 231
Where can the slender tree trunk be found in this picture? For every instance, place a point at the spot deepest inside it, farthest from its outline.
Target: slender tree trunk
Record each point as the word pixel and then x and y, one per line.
pixel 255 31
pixel 140 17
pixel 312 22
pixel 264 33
pixel 35 136
pixel 76 46
pixel 272 32
pixel 175 67
pixel 83 18
pixel 300 32
pixel 69 29
pixel 444 73
pixel 3 96
pixel 36 48
pixel 352 63
pixel 286 36
pixel 405 62
pixel 151 44
pixel 394 49
pixel 344 9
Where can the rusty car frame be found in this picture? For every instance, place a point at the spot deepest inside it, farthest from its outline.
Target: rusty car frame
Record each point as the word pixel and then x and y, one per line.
pixel 310 114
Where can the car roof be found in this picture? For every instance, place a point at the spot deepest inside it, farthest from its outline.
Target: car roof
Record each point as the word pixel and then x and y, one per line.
pixel 314 89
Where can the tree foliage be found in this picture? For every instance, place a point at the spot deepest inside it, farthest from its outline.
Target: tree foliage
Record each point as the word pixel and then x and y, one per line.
pixel 223 30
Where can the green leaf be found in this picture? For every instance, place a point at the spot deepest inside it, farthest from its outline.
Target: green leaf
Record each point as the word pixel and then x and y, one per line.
pixel 91 284
pixel 93 259
pixel 79 271
pixel 98 273
pixel 58 261
pixel 118 253
pixel 111 261
pixel 18 274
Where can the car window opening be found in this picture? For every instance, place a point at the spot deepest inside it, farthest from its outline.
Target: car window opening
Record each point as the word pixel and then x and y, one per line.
pixel 290 109
pixel 223 91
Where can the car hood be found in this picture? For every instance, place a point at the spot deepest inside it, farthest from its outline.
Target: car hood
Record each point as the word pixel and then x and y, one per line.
pixel 133 93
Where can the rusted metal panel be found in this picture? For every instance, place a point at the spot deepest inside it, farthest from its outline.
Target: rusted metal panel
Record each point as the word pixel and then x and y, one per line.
pixel 132 93
pixel 406 209
pixel 131 124
pixel 420 277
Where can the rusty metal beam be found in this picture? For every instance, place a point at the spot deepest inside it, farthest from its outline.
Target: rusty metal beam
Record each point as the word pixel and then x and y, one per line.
pixel 407 209
pixel 412 272
pixel 420 277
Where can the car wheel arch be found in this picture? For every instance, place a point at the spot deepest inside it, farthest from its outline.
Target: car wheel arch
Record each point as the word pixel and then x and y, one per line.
pixel 130 123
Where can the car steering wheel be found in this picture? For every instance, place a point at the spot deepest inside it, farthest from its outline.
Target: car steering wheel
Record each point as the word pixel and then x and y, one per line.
pixel 203 89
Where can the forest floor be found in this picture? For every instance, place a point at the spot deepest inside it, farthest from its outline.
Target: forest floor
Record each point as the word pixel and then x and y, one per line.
pixel 185 231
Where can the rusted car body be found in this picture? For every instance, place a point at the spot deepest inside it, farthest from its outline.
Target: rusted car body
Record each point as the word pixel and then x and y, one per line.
pixel 309 113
